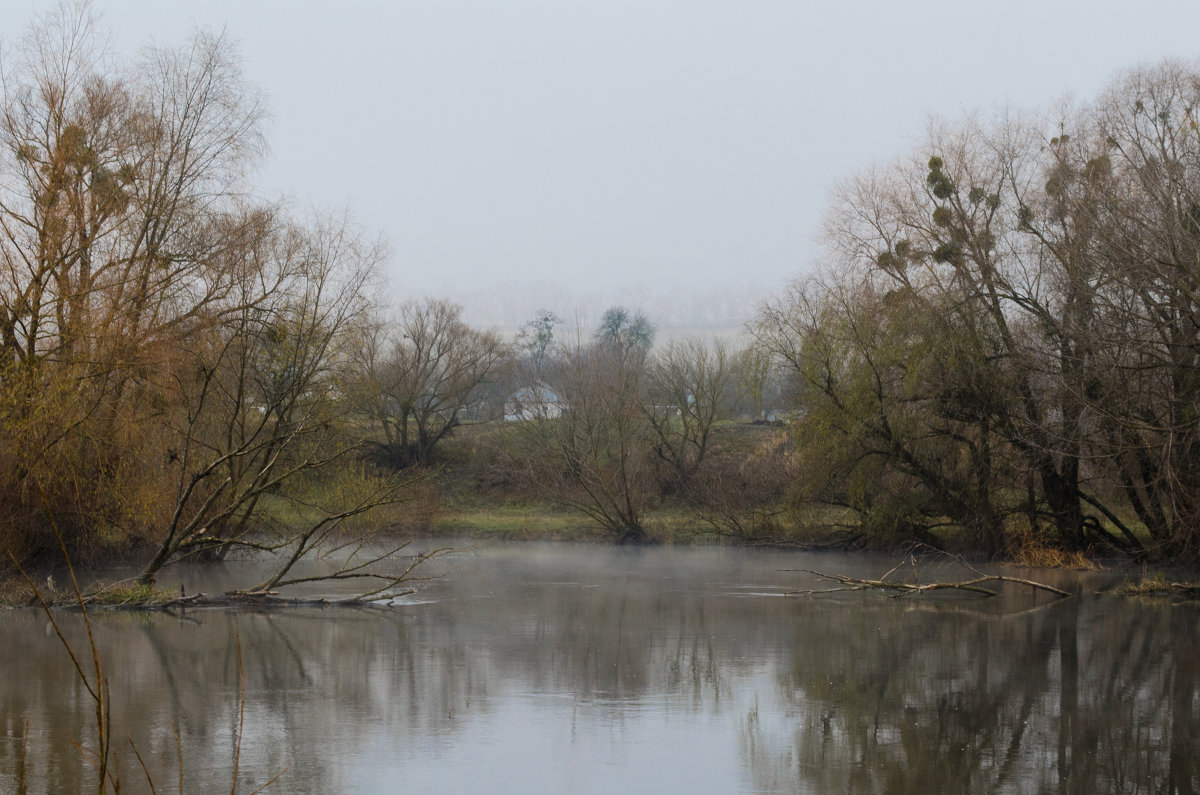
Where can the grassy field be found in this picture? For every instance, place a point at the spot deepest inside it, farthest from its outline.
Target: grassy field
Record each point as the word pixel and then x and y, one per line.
pixel 471 497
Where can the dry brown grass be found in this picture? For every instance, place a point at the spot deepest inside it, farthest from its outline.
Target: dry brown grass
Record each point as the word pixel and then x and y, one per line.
pixel 14 592
pixel 1033 552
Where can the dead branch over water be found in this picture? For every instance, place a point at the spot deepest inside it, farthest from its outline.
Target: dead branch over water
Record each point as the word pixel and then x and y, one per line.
pixel 909 587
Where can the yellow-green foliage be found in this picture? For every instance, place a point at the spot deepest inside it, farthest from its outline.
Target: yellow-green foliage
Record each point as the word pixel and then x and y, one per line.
pixel 879 432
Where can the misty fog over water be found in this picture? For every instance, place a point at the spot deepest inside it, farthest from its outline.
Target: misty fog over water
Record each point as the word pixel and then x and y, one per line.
pixel 578 668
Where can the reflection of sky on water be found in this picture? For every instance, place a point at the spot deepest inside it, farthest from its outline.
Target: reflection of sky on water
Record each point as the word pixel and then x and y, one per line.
pixel 532 744
pixel 543 668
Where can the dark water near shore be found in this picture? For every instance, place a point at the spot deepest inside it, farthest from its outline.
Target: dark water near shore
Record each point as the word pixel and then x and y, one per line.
pixel 581 669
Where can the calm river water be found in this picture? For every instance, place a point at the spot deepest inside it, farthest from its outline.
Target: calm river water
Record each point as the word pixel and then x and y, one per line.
pixel 583 669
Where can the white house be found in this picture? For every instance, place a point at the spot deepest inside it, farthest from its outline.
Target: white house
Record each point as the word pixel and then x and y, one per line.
pixel 533 402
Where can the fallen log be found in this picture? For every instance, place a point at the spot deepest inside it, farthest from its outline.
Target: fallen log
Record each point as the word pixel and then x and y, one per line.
pixel 264 599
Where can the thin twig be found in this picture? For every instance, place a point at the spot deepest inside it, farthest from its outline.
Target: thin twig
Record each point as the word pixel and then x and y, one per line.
pixel 270 781
pixel 142 762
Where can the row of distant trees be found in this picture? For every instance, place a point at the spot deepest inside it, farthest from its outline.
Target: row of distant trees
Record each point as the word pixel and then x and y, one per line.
pixel 1002 347
pixel 601 420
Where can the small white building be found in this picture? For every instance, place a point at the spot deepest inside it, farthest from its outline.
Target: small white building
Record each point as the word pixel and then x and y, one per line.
pixel 537 402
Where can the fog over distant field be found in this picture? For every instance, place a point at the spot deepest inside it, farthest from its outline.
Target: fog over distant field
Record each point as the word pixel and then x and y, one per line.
pixel 688 310
pixel 672 155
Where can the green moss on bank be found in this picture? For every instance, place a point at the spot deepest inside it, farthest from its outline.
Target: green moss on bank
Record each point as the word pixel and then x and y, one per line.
pixel 15 592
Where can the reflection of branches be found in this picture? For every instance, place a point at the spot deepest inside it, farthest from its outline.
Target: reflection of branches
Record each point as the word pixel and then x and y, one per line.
pixel 102 757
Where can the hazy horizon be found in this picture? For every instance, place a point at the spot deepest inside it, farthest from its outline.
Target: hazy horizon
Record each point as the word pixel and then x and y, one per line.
pixel 642 153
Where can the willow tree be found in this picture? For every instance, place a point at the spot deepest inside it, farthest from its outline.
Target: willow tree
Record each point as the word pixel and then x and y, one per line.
pixel 896 418
pixel 122 203
pixel 261 429
pixel 169 345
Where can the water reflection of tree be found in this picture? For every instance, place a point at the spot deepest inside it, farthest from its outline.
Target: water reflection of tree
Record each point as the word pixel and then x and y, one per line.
pixel 1090 694
pixel 962 702
pixel 410 675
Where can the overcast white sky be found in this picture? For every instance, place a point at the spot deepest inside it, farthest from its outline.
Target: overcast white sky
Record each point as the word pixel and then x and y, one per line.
pixel 617 148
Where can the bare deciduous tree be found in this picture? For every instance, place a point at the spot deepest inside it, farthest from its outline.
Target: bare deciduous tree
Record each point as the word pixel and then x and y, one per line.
pixel 536 340
pixel 1039 273
pixel 425 371
pixel 596 456
pixel 690 388
pixel 263 415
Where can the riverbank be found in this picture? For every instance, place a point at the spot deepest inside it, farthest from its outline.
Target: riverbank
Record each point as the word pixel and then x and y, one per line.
pixel 467 496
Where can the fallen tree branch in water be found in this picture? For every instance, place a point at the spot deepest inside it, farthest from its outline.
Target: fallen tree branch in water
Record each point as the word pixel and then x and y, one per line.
pixel 907 588
pixel 910 587
pixel 270 599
